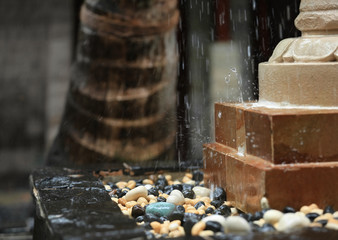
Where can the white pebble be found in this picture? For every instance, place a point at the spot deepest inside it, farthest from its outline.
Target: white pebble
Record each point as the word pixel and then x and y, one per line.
pixel 215 218
pixel 173 226
pixel 291 221
pixel 202 191
pixel 148 186
pixel 264 203
pixel 272 216
pixel 134 194
pixel 236 224
pixel 177 200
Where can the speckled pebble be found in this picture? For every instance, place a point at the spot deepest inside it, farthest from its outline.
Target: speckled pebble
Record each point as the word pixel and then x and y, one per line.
pixel 292 221
pixel 160 209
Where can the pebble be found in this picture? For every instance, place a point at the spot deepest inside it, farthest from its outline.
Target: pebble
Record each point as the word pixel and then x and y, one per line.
pixel 215 218
pixel 332 224
pixel 160 209
pixel 202 191
pixel 134 194
pixel 219 194
pixel 198 228
pixel 264 203
pixel 177 200
pixel 272 216
pixel 328 209
pixel 137 210
pixel 292 221
pixel 236 224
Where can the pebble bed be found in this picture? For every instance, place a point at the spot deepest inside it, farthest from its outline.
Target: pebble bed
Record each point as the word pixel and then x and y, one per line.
pixel 175 208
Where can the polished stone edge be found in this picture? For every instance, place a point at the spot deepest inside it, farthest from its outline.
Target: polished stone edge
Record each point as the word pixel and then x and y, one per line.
pixel 73 204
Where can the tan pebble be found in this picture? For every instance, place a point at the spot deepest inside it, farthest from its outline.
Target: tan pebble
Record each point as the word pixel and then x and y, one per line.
pixel 300 214
pixel 201 211
pixel 152 201
pixel 175 234
pixel 194 201
pixel 202 208
pixel 189 175
pixel 173 226
pixel 151 197
pixel 181 230
pixel 315 224
pixel 141 200
pixel 198 228
pixel 125 212
pixel 186 179
pixel 205 199
pixel 168 177
pixel 131 184
pixel 122 201
pixel 335 214
pixel 170 182
pixel 332 224
pixel 164 195
pixel 143 204
pixel 115 199
pixel 305 209
pixel 191 208
pixel 313 206
pixel 131 204
pixel 202 182
pixel 233 211
pixel 147 181
pixel 164 229
pixel 187 201
pixel 192 211
pixel 140 223
pixel 326 216
pixel 178 222
pixel 156 226
pixel 206 233
pixel 121 184
pixel 107 187
pixel 134 194
pixel 191 182
pixel 318 211
pixel 177 182
pixel 259 222
pixel 125 189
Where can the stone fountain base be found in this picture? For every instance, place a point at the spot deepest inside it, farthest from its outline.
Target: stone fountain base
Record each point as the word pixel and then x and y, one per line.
pixel 289 156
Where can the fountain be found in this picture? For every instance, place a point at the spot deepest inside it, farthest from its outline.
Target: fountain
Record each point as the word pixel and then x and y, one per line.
pixel 285 146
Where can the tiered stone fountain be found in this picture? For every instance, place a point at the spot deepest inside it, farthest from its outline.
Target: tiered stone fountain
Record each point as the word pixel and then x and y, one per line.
pixel 285 146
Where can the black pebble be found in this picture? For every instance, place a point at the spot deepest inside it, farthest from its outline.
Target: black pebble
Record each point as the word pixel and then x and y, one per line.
pixel 209 210
pixel 161 183
pixel 140 218
pixel 213 226
pixel 199 204
pixel 197 175
pixel 246 216
pixel 112 185
pixel 323 222
pixel 288 209
pixel 257 215
pixel 188 193
pixel 153 191
pixel 216 203
pixel 120 193
pixel 220 194
pixel 161 199
pixel 225 210
pixel 187 187
pixel 328 209
pixel 138 184
pixel 312 216
pixel 137 210
pixel 189 220
pixel 267 228
pixel 177 214
pixel 177 187
pixel 149 217
pixel 168 189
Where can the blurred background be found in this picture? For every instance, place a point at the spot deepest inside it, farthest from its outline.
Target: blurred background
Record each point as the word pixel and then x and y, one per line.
pixel 220 43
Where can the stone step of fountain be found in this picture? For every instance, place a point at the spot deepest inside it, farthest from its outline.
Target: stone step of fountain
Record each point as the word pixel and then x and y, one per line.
pixel 247 179
pixel 75 205
pixel 278 135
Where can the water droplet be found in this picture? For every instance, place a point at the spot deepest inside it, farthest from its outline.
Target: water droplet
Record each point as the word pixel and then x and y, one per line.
pixel 219 114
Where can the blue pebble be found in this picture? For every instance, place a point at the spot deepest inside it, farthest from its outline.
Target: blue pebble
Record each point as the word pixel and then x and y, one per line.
pixel 160 209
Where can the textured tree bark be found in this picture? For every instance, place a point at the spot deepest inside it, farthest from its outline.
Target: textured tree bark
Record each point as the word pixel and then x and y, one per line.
pixel 121 102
